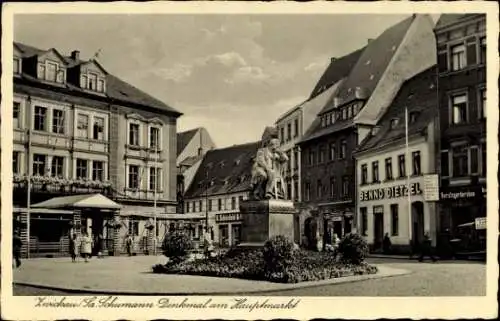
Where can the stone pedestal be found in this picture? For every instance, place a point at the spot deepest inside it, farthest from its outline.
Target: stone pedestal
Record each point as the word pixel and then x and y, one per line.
pixel 265 219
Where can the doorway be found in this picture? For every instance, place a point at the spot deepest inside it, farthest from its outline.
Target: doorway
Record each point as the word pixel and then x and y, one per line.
pixel 417 222
pixel 378 227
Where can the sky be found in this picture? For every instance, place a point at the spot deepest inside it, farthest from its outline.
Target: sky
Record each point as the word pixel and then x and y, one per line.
pixel 232 74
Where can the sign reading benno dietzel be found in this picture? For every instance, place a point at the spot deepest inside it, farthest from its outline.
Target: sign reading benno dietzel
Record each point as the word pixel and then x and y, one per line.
pixel 389 192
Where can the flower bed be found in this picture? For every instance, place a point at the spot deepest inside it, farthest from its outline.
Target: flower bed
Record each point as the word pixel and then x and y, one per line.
pixel 304 266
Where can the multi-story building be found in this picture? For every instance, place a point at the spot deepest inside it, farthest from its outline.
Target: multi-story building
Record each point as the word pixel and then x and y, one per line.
pixel 387 169
pixel 329 182
pixel 295 122
pixel 192 145
pixel 80 130
pixel 214 196
pixel 461 55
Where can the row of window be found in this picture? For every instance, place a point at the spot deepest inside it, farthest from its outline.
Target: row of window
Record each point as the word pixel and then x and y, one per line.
pixel 289 135
pixel 342 113
pixel 197 206
pixel 463 54
pixel 54 166
pixel 322 190
pixel 332 155
pixel 460 109
pixel 53 71
pixel 136 174
pixel 416 168
pixel 464 161
pixel 134 136
pixel 379 210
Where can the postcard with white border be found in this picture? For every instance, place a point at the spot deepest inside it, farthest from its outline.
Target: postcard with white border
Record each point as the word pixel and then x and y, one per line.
pixel 249 160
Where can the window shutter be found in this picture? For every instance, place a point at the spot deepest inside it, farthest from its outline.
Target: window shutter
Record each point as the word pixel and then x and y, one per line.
pixel 471 51
pixel 443 61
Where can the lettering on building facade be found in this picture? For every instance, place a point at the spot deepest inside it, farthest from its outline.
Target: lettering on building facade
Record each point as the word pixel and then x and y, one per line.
pixel 389 192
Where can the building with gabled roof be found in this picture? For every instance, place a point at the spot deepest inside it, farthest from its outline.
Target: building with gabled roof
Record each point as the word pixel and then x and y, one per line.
pixel 384 171
pixel 78 129
pixel 399 53
pixel 221 182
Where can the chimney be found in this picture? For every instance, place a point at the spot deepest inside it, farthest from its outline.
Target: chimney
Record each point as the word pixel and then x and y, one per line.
pixel 333 59
pixel 370 40
pixel 75 55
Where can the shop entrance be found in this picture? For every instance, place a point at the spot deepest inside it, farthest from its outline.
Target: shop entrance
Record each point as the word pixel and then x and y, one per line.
pixel 378 230
pixel 418 222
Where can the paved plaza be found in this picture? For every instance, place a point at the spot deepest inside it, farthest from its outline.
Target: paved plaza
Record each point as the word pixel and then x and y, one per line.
pixel 132 275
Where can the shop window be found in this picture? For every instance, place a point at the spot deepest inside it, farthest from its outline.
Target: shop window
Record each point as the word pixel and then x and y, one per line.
pixel 40 118
pixel 98 171
pixel 133 176
pixel 83 126
pixel 394 220
pixel 364 174
pixel 363 212
pixel 445 164
pixel 133 134
pixel 58 121
pixel 15 162
pixel 16 107
pixel 416 163
pixel 459 109
pixel 388 169
pixel 474 160
pixel 82 170
pixel 401 166
pixel 57 168
pixel 39 164
pixel 458 57
pixel 460 161
pixel 332 151
pixel 98 128
pixel 375 173
pixel 483 159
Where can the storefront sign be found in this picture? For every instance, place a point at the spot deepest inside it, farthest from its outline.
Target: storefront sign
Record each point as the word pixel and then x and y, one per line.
pixel 431 188
pixel 390 192
pixel 462 193
pixel 480 223
pixel 228 217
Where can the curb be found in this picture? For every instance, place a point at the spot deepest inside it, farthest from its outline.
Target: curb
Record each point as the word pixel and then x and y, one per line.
pixel 280 287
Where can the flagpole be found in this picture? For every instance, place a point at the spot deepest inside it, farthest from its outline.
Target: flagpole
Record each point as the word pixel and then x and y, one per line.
pixel 408 167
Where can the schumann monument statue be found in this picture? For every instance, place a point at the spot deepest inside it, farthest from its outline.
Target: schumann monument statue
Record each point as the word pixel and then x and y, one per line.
pixel 267 213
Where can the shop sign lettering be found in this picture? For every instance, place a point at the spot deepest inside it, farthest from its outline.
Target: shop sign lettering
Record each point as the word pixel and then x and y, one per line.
pixel 390 192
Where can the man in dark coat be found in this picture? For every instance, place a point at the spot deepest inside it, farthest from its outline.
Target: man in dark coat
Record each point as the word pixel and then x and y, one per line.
pixel 426 249
pixel 17 244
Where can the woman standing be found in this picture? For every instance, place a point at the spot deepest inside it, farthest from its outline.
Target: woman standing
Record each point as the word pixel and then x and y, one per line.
pixel 73 247
pixel 86 248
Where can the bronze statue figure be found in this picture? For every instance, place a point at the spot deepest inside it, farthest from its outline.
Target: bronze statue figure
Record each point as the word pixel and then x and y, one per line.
pixel 267 170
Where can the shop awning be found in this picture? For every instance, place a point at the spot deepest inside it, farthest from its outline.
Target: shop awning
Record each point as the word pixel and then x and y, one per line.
pixel 97 201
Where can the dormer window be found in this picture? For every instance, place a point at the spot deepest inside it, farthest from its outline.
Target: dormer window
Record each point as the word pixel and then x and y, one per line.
pixel 394 123
pixel 413 116
pixel 51 71
pixel 92 81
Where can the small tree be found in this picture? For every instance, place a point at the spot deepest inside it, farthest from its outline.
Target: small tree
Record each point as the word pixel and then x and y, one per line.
pixel 176 246
pixel 353 249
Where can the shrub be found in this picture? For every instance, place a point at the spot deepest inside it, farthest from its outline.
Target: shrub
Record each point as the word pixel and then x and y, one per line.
pixel 278 254
pixel 176 246
pixel 353 249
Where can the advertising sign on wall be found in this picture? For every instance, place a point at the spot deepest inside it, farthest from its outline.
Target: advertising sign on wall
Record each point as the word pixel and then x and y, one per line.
pixel 431 187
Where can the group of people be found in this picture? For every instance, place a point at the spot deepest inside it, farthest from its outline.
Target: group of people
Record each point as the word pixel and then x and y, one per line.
pixel 85 246
pixel 424 249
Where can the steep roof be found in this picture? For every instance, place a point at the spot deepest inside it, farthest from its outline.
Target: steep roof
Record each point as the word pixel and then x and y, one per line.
pixel 183 139
pixel 373 61
pixel 116 88
pixel 223 171
pixel 337 69
pixel 365 74
pixel 418 94
pixel 446 20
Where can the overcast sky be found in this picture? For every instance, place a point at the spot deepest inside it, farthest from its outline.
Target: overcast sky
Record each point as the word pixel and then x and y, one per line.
pixel 232 74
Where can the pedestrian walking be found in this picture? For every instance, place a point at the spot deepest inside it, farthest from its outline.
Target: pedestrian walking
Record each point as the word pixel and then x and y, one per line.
pixel 73 247
pixel 426 249
pixel 17 245
pixel 86 246
pixel 386 244
pixel 129 243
